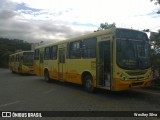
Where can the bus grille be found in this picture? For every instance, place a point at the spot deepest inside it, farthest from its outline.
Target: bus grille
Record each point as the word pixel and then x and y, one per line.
pixel 139 72
pixel 136 78
pixel 137 83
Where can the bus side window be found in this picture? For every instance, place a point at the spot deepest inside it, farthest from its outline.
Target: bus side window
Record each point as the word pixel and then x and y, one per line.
pixel 21 57
pixel 53 53
pixel 67 51
pixel 36 55
pixel 89 48
pixel 47 53
pixel 75 49
pixel 16 58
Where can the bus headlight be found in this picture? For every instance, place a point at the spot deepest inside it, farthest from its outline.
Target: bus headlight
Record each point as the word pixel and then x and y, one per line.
pixel 122 76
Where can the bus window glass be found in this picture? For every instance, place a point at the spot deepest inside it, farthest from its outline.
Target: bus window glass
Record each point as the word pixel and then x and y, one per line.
pixel 89 48
pixel 28 58
pixel 47 53
pixel 53 52
pixel 36 55
pixel 17 58
pixel 67 51
pixel 75 49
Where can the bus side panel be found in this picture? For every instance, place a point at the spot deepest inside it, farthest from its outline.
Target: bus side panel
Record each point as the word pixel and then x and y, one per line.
pixel 76 67
pixel 52 67
pixel 36 67
pixel 16 66
pixel 73 72
pixel 40 63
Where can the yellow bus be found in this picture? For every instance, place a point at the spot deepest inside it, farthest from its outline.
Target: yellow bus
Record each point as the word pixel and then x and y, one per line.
pixel 114 59
pixel 22 62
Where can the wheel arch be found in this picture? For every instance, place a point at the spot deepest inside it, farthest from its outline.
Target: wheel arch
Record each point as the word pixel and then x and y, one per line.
pixel 45 70
pixel 83 75
pixel 47 75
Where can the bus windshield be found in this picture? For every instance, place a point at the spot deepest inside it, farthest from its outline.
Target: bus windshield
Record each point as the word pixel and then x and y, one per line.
pixel 28 58
pixel 133 50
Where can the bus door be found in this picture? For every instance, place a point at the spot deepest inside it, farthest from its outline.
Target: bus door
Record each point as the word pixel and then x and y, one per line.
pixel 104 64
pixel 41 72
pixel 61 62
pixel 20 63
pixel 17 63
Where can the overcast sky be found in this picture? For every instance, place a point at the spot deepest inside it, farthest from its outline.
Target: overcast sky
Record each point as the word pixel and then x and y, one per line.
pixel 52 20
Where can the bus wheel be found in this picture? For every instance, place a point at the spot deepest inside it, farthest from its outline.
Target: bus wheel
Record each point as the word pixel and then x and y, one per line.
pixel 12 70
pixel 89 83
pixel 46 76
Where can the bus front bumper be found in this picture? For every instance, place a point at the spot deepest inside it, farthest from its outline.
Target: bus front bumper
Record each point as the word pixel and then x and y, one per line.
pixel 120 85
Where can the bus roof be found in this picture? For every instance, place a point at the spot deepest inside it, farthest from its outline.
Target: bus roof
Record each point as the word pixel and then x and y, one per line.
pixel 94 34
pixel 79 37
pixel 20 52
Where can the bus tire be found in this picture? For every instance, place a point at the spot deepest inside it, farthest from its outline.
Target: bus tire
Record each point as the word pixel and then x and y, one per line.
pixel 19 71
pixel 89 83
pixel 46 76
pixel 12 70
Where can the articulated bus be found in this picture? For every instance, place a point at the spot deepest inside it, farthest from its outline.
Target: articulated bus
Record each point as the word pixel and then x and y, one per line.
pixel 22 62
pixel 113 59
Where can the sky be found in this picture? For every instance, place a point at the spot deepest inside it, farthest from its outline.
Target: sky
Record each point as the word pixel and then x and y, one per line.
pixel 54 20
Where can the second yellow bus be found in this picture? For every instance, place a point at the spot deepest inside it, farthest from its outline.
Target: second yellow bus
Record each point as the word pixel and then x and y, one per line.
pixel 21 62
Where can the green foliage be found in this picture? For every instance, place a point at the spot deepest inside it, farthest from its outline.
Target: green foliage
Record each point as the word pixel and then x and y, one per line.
pixel 9 46
pixel 105 25
pixel 156 2
pixel 155 60
pixel 155 43
pixel 155 52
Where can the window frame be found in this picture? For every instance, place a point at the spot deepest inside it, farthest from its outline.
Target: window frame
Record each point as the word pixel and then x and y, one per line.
pixel 89 47
pixel 77 53
pixel 52 55
pixel 36 54
pixel 47 53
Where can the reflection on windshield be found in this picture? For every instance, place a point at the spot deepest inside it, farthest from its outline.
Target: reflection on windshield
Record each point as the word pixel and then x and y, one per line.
pixel 132 54
pixel 28 59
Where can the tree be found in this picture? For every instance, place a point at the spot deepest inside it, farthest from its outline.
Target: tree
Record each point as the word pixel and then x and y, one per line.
pixel 105 25
pixel 155 56
pixel 155 43
pixel 156 2
pixel 9 46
